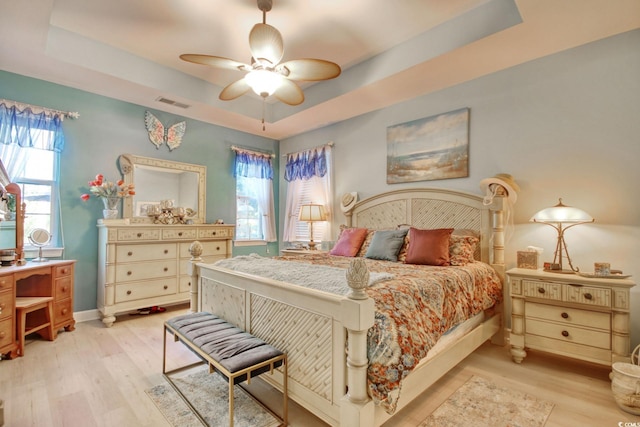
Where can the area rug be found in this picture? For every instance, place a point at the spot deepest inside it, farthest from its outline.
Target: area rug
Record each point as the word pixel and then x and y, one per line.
pixel 209 394
pixel 481 403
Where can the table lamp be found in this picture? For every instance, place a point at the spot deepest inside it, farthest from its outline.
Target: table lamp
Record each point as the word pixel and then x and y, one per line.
pixel 557 216
pixel 312 213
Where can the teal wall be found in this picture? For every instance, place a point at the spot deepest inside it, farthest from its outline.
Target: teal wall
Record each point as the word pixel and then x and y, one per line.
pixel 107 128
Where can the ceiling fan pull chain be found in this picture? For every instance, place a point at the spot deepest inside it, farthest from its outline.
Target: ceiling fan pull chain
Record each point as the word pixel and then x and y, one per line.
pixel 263 108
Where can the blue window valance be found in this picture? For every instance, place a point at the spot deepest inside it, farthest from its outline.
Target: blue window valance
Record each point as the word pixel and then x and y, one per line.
pixel 253 165
pixel 28 129
pixel 306 164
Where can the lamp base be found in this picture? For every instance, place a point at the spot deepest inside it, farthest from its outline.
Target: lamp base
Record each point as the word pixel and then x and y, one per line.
pixel 312 246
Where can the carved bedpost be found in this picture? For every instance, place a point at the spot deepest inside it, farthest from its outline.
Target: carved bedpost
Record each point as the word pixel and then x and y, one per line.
pixel 195 249
pixel 497 244
pixel 358 312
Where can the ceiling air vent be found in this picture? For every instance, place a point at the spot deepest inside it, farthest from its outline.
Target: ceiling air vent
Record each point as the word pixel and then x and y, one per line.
pixel 172 102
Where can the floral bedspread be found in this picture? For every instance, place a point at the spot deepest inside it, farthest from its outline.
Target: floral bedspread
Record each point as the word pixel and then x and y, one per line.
pixel 413 310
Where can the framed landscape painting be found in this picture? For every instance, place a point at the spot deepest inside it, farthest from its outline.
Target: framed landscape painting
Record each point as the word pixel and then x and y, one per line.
pixel 435 147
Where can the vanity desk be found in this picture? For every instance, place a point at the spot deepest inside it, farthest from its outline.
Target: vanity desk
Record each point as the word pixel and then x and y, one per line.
pixel 52 278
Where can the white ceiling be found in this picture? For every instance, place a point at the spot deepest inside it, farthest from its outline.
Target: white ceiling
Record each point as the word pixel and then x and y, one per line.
pixel 390 51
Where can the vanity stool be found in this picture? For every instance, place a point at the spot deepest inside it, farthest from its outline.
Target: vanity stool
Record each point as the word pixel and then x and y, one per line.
pixel 40 319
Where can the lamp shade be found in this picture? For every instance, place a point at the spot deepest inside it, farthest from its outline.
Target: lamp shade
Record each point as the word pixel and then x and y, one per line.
pixel 561 214
pixel 312 213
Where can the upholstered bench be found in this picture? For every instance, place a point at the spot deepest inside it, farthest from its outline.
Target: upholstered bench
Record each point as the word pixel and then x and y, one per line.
pixel 235 354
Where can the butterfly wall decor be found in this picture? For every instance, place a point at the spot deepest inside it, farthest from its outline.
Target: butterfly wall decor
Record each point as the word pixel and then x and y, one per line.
pixel 159 134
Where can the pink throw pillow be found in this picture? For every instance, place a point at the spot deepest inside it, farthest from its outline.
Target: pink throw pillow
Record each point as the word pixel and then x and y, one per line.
pixel 428 247
pixel 349 242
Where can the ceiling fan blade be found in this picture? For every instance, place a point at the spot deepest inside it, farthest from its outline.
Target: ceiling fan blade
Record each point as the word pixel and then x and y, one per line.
pixel 234 90
pixel 309 69
pixel 289 93
pixel 215 61
pixel 266 43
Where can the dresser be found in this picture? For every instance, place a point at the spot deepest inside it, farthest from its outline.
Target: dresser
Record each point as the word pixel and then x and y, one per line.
pixel 52 278
pixel 570 315
pixel 146 265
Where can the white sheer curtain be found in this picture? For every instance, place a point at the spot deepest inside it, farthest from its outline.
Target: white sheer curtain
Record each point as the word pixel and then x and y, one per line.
pixel 265 202
pixel 14 159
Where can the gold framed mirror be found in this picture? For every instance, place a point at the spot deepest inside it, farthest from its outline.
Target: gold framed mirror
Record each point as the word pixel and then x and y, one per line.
pixel 182 185
pixel 12 223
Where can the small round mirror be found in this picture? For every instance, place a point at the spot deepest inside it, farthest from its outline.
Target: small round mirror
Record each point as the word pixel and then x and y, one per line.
pixel 39 237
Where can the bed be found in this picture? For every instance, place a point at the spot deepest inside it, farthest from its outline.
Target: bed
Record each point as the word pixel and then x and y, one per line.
pixel 326 335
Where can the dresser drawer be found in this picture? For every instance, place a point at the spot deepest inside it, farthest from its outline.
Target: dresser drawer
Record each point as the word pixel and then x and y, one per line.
pixel 6 304
pixel 223 233
pixel 63 311
pixel 6 283
pixel 569 316
pixel 179 233
pixel 133 235
pixel 573 334
pixel 146 270
pixel 63 288
pixel 63 270
pixel 208 248
pixel 587 295
pixel 6 335
pixel 141 290
pixel 158 251
pixel 543 290
pixel 184 263
pixel 185 284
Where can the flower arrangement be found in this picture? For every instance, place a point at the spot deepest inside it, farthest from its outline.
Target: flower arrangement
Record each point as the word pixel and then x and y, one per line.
pixel 108 189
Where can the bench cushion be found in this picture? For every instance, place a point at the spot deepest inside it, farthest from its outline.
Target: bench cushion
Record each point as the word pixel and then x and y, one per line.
pixel 225 343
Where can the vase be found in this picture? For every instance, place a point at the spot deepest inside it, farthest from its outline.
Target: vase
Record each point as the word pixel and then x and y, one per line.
pixel 111 205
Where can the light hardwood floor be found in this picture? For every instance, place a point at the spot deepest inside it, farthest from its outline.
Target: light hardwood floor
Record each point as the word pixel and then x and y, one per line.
pixel 97 376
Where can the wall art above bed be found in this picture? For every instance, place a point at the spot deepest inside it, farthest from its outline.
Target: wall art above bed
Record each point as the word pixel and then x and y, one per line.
pixel 427 149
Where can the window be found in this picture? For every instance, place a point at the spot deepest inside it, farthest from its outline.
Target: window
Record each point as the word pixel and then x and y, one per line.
pixel 309 181
pixel 35 171
pixel 255 213
pixel 31 139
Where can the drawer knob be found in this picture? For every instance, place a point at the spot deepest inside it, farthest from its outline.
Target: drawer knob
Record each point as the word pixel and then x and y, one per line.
pixel 165 287
pixel 166 251
pixel 128 292
pixel 213 233
pixel 2 306
pixel 64 310
pixel 3 334
pixel 65 271
pixel 166 269
pixel 189 284
pixel 129 273
pixel 588 296
pixel 64 289
pixel 565 334
pixel 139 234
pixel 217 248
pixel 180 234
pixel 564 315
pixel 541 290
pixel 129 253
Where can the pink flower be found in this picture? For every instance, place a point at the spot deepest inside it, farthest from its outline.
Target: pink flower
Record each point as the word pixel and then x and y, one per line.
pixel 85 197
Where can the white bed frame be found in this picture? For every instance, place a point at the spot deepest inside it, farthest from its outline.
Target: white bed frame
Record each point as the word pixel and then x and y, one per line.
pixel 312 327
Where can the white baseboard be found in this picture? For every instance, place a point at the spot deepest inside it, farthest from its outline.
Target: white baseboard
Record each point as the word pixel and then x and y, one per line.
pixel 85 316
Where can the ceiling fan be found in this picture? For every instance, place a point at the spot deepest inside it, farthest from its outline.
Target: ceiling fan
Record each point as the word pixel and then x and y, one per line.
pixel 266 75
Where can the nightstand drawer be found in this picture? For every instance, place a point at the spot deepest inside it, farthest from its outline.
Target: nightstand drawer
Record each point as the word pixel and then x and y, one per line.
pixel 576 335
pixel 587 295
pixel 569 316
pixel 543 290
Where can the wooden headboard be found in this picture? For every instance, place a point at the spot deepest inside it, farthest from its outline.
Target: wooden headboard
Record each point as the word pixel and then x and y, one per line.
pixel 436 208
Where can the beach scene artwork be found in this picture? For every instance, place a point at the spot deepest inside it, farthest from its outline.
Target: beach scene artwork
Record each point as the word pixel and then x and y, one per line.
pixel 431 148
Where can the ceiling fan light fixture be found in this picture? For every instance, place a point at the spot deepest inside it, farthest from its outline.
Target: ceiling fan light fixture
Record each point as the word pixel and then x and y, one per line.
pixel 263 82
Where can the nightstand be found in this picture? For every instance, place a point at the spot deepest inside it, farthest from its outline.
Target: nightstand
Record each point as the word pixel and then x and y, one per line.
pixel 301 252
pixel 570 315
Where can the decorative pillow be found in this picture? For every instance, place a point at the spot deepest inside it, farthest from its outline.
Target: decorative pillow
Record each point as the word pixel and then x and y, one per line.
pixel 386 244
pixel 462 249
pixel 349 242
pixel 367 241
pixel 428 247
